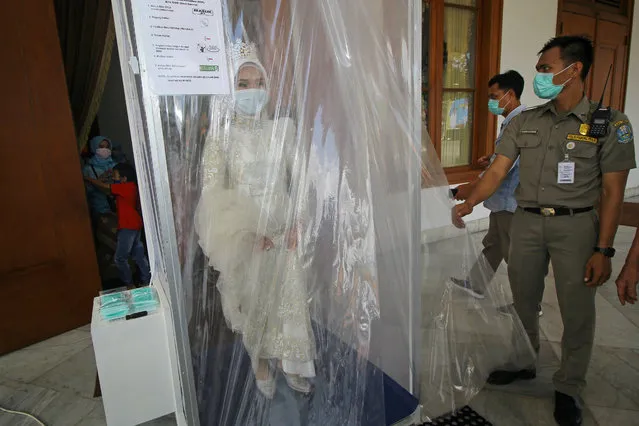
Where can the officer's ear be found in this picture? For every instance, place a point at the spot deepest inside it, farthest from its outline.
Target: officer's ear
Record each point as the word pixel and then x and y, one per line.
pixel 576 70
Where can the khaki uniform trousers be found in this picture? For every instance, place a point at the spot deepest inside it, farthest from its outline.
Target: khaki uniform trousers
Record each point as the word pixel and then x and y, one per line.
pixel 496 247
pixel 568 241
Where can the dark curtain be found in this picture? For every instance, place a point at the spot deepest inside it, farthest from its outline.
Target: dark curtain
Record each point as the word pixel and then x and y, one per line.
pixel 86 33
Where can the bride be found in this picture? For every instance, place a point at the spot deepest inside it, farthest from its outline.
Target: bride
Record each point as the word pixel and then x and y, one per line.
pixel 247 225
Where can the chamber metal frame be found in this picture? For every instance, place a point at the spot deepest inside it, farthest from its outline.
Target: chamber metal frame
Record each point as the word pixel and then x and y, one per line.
pixel 415 22
pixel 155 189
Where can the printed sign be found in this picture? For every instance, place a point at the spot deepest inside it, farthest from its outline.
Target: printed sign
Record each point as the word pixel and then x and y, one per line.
pixel 183 47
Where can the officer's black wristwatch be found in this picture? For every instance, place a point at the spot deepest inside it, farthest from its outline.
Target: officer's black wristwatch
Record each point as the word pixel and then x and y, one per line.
pixel 607 251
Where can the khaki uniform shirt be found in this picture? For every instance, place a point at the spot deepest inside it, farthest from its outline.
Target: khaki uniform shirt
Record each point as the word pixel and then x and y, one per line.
pixel 542 138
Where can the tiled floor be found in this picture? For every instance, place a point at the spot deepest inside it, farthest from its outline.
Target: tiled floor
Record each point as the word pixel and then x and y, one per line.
pixel 55 379
pixel 612 394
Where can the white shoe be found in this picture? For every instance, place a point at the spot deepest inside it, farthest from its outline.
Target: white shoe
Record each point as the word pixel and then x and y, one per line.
pixel 298 383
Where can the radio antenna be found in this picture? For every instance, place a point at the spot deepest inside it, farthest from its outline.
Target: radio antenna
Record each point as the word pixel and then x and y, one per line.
pixel 604 88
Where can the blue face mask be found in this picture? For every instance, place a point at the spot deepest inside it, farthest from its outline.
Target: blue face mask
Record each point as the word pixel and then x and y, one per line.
pixel 250 101
pixel 493 105
pixel 545 88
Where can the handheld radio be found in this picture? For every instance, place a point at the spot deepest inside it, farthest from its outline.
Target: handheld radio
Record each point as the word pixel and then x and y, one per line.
pixel 600 119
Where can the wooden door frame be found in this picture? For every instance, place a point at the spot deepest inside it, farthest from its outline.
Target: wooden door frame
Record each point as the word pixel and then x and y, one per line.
pixel 606 13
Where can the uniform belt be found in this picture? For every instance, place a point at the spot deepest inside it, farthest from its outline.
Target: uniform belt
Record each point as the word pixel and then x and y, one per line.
pixel 560 211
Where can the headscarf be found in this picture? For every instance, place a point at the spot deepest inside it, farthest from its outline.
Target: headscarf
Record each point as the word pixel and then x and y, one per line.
pixel 246 54
pixel 100 164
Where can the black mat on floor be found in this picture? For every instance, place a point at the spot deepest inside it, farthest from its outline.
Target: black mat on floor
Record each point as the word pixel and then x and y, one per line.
pixel 464 417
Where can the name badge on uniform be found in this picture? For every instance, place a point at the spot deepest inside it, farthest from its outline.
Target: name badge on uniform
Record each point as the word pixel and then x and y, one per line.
pixel 581 138
pixel 566 172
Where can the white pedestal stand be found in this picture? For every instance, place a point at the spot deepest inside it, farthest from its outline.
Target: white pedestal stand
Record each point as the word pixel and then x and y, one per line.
pixel 134 367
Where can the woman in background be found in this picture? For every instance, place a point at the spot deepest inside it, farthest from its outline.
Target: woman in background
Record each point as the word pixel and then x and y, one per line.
pixel 100 167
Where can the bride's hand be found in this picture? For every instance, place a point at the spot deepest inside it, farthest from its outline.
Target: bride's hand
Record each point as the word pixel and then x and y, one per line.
pixel 266 244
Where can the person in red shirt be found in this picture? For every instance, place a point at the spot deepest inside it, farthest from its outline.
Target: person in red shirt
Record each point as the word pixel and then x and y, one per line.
pixel 129 244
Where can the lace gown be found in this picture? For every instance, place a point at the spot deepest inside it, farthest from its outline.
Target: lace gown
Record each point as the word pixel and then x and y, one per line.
pixel 244 197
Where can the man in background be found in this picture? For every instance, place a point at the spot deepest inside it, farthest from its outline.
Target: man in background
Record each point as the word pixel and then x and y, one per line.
pixel 504 92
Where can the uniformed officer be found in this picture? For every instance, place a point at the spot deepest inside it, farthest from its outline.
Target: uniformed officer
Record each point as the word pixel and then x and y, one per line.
pixel 564 170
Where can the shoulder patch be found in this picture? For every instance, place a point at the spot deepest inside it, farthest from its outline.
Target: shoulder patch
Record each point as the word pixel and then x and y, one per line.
pixel 624 134
pixel 620 122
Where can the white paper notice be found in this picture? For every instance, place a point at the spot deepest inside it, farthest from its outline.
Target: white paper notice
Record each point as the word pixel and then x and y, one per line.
pixel 183 46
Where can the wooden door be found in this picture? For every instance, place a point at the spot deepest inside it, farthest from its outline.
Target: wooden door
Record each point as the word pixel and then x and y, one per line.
pixel 608 26
pixel 610 50
pixel 575 24
pixel 48 270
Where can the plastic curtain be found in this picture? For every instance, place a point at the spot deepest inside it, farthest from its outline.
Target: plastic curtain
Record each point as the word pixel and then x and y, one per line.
pixel 308 271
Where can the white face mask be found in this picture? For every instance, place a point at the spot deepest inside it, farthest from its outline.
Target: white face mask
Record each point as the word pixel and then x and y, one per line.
pixel 103 153
pixel 250 101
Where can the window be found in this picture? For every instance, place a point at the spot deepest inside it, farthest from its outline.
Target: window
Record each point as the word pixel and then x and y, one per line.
pixel 458 84
pixel 461 46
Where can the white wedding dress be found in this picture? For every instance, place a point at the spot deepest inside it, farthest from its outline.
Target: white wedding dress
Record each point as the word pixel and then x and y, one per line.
pixel 245 197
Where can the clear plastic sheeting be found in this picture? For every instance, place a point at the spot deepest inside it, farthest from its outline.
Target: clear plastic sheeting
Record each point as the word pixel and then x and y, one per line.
pixel 286 224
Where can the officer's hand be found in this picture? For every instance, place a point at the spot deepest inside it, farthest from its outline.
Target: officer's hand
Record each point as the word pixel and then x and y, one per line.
pixel 484 161
pixel 598 270
pixel 627 283
pixel 459 211
pixel 463 192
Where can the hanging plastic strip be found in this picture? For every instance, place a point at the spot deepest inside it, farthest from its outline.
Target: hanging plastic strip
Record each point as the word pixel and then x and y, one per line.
pixel 300 217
